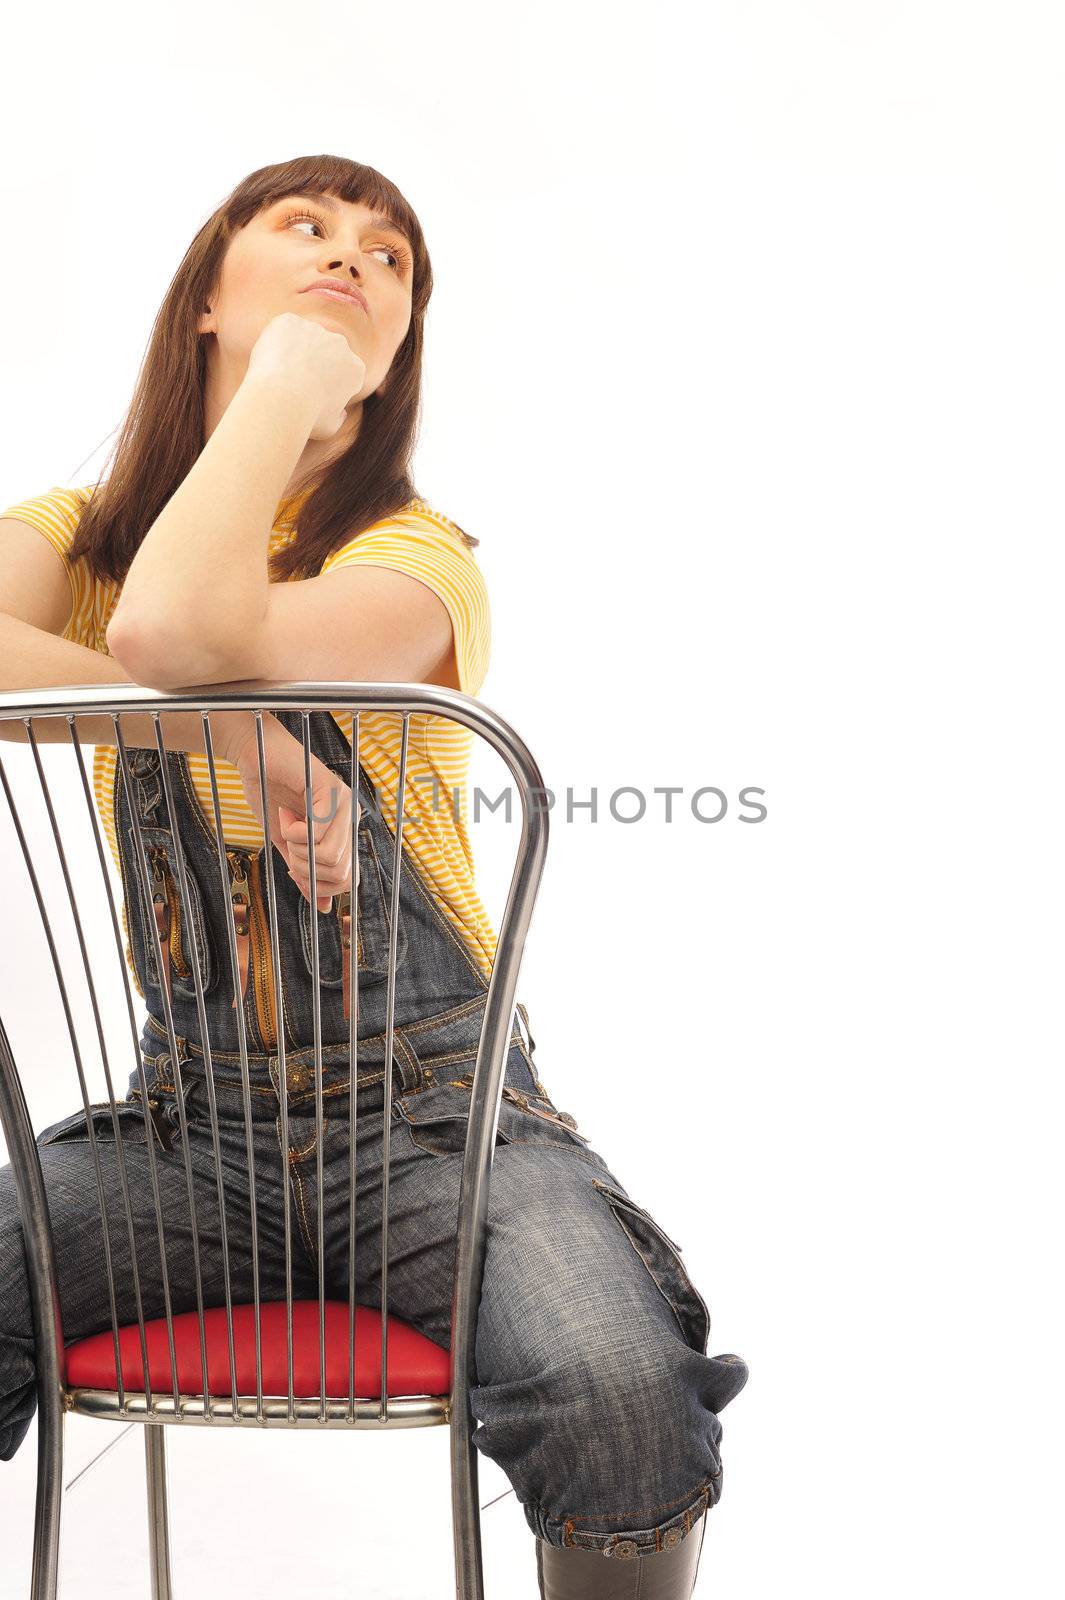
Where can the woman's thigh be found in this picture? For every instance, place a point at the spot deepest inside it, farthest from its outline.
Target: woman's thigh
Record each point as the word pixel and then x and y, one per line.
pixel 566 1249
pixel 537 1167
pixel 593 1389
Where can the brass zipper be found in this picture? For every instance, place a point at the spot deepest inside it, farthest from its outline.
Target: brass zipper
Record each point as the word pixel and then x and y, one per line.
pixel 251 927
pixel 262 975
pixel 177 943
pixel 240 897
pixel 162 906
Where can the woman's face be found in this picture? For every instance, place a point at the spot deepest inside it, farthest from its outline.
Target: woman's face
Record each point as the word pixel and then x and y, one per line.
pixel 272 261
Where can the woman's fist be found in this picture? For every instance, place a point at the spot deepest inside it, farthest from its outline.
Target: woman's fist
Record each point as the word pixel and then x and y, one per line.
pixel 289 830
pixel 311 361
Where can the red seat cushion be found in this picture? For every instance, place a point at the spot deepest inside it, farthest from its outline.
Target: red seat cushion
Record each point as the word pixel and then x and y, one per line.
pixel 416 1365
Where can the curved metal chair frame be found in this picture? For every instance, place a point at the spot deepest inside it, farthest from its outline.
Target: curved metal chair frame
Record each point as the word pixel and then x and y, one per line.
pixel 156 1409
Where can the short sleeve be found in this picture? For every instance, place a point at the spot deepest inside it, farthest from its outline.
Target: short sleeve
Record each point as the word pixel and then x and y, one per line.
pixel 56 514
pixel 423 545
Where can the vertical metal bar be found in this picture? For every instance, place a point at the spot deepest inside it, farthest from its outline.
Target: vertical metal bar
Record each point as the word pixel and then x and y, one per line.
pixel 153 1168
pixel 242 1035
pixel 47 1320
pixel 271 903
pixel 85 1098
pixel 390 1008
pixel 158 1510
pixel 353 1055
pixel 168 1011
pixel 85 1095
pixel 317 1012
pixel 201 1012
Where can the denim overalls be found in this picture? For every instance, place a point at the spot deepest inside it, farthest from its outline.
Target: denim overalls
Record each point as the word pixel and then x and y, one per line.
pixel 595 1394
pixel 436 978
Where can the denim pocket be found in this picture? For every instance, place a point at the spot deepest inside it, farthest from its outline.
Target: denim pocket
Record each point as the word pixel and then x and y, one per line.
pixel 372 933
pixel 163 885
pixel 661 1256
pixel 438 1118
pixel 76 1126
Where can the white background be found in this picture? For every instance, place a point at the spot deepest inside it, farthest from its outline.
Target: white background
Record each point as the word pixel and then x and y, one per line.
pixel 744 363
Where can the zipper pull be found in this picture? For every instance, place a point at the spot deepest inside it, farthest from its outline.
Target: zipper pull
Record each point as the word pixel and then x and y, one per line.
pixel 343 912
pixel 240 894
pixel 161 907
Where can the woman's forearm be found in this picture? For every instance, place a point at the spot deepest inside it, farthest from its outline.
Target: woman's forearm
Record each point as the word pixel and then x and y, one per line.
pixel 31 658
pixel 200 578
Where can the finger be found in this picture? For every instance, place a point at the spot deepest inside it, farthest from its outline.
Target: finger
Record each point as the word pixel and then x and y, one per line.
pixel 336 872
pixel 331 832
pixel 339 877
pixel 331 836
pixel 323 897
pixel 329 840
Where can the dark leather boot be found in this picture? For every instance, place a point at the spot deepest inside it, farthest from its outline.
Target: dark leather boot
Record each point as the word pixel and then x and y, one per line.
pixel 569 1574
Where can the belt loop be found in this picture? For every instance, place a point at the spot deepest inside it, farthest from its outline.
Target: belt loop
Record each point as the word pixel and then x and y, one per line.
pixel 411 1073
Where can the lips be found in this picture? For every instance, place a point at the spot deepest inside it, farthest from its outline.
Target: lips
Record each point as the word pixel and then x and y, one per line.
pixel 338 291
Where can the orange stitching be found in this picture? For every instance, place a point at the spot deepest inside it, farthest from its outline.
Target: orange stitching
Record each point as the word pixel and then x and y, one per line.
pixel 455 1014
pixel 303 1219
pixel 298 1155
pixel 466 1054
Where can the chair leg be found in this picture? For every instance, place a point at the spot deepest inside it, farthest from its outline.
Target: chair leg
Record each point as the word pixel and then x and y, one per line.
pixel 158 1510
pixel 44 1580
pixel 465 1513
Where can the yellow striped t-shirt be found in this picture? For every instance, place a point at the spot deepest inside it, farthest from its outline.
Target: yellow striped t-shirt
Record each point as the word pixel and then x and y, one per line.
pixel 418 541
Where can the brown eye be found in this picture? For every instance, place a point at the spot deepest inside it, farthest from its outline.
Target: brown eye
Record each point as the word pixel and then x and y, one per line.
pixel 304 216
pixel 400 258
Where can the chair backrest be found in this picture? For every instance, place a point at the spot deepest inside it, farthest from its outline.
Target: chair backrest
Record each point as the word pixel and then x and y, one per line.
pixel 42 713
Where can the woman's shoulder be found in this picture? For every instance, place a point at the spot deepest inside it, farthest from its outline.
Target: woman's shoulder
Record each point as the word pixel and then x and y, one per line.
pixel 417 532
pixel 422 517
pixel 421 541
pixel 54 513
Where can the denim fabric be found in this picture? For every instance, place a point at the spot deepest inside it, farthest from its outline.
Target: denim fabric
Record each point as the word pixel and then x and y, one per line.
pixel 594 1391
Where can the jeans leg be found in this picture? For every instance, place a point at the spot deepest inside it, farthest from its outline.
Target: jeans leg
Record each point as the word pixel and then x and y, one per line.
pixel 69 1174
pixel 594 1393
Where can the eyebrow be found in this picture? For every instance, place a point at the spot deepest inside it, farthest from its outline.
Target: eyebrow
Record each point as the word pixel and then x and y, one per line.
pixel 329 204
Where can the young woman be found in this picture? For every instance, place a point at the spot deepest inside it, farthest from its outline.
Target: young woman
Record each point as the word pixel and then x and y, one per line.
pixel 260 521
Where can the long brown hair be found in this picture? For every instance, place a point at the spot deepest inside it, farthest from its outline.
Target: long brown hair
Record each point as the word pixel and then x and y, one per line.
pixel 162 434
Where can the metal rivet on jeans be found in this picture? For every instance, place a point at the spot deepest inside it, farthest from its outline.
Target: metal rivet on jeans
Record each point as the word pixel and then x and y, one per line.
pixel 625 1547
pixel 671 1537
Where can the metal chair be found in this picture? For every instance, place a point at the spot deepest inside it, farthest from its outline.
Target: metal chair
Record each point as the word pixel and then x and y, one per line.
pixel 236 1331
